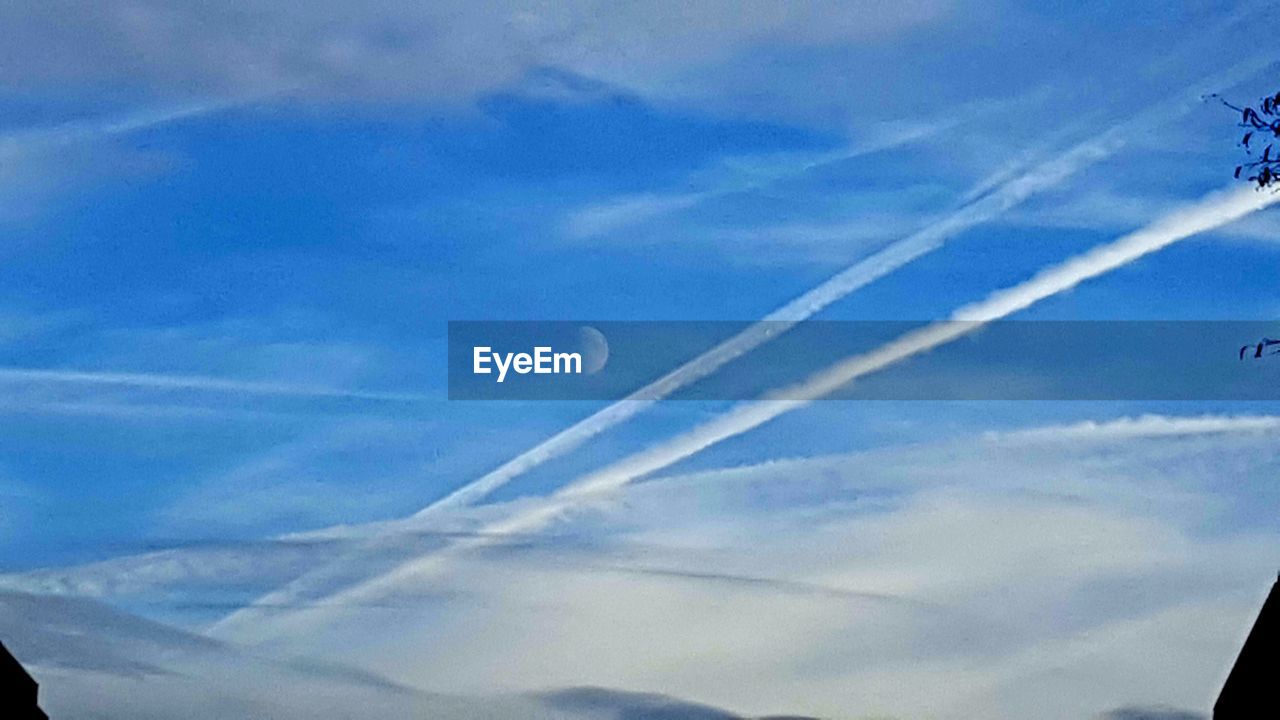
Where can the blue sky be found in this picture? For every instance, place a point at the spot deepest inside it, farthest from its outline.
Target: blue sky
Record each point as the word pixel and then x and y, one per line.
pixel 231 239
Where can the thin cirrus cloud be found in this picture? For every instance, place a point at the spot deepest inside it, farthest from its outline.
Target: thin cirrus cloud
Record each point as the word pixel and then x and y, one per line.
pixel 32 165
pixel 1043 570
pixel 384 49
pixel 1213 211
pixel 19 142
pixel 855 561
pixel 745 175
pixel 256 563
pixel 196 383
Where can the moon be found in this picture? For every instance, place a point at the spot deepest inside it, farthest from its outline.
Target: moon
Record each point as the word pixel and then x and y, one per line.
pixel 595 349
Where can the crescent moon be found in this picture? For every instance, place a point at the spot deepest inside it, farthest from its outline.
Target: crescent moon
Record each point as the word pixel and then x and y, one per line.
pixel 595 349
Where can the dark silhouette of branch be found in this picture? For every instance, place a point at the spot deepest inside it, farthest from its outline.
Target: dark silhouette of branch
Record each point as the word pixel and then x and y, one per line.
pixel 1261 124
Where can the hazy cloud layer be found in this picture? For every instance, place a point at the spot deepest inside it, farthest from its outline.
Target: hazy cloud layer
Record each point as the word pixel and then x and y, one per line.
pixel 277 268
pixel 1153 713
pixel 95 661
pixel 987 574
pixel 448 51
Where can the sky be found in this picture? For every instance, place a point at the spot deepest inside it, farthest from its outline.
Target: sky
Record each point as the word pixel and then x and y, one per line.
pixel 233 236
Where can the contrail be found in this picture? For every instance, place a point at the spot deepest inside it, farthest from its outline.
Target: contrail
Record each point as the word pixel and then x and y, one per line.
pixel 176 562
pixel 35 139
pixel 1144 426
pixel 1213 211
pixel 195 383
pixel 856 276
pixel 989 198
pixel 631 209
pixel 988 203
pixel 770 327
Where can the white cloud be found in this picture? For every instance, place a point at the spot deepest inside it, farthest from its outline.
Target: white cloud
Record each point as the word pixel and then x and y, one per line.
pixel 1145 426
pixel 1213 211
pixel 93 661
pixel 980 575
pixel 1106 562
pixel 749 174
pixel 192 382
pixel 446 51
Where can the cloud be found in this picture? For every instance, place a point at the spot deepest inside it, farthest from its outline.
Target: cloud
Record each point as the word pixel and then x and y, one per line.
pixel 633 706
pixel 1213 211
pixel 16 143
pixel 41 162
pixel 1009 572
pixel 731 176
pixel 391 49
pixel 1145 426
pixel 50 631
pixel 95 661
pixel 995 199
pixel 193 570
pixel 17 499
pixel 808 304
pixel 240 367
pixel 986 573
pixel 349 470
pixel 621 705
pixel 194 383
pixel 1153 713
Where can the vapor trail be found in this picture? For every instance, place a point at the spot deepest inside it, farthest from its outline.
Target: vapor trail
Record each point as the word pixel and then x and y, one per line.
pixel 1213 211
pixel 194 383
pixel 771 326
pixel 35 139
pixel 621 212
pixel 990 197
pixel 858 275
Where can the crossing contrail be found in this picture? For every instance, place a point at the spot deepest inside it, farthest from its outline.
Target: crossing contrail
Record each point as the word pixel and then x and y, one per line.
pixel 995 201
pixel 856 276
pixel 989 198
pixel 1213 211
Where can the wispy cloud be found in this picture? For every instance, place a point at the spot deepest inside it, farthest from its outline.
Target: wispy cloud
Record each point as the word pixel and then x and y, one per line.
pixel 1152 712
pixel 386 50
pixel 752 174
pixel 1034 571
pixel 93 660
pixel 196 383
pixel 992 203
pixel 806 306
pixel 206 565
pixel 994 200
pixel 1145 426
pixel 1213 211
pixel 18 142
pixel 1040 565
pixel 39 162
